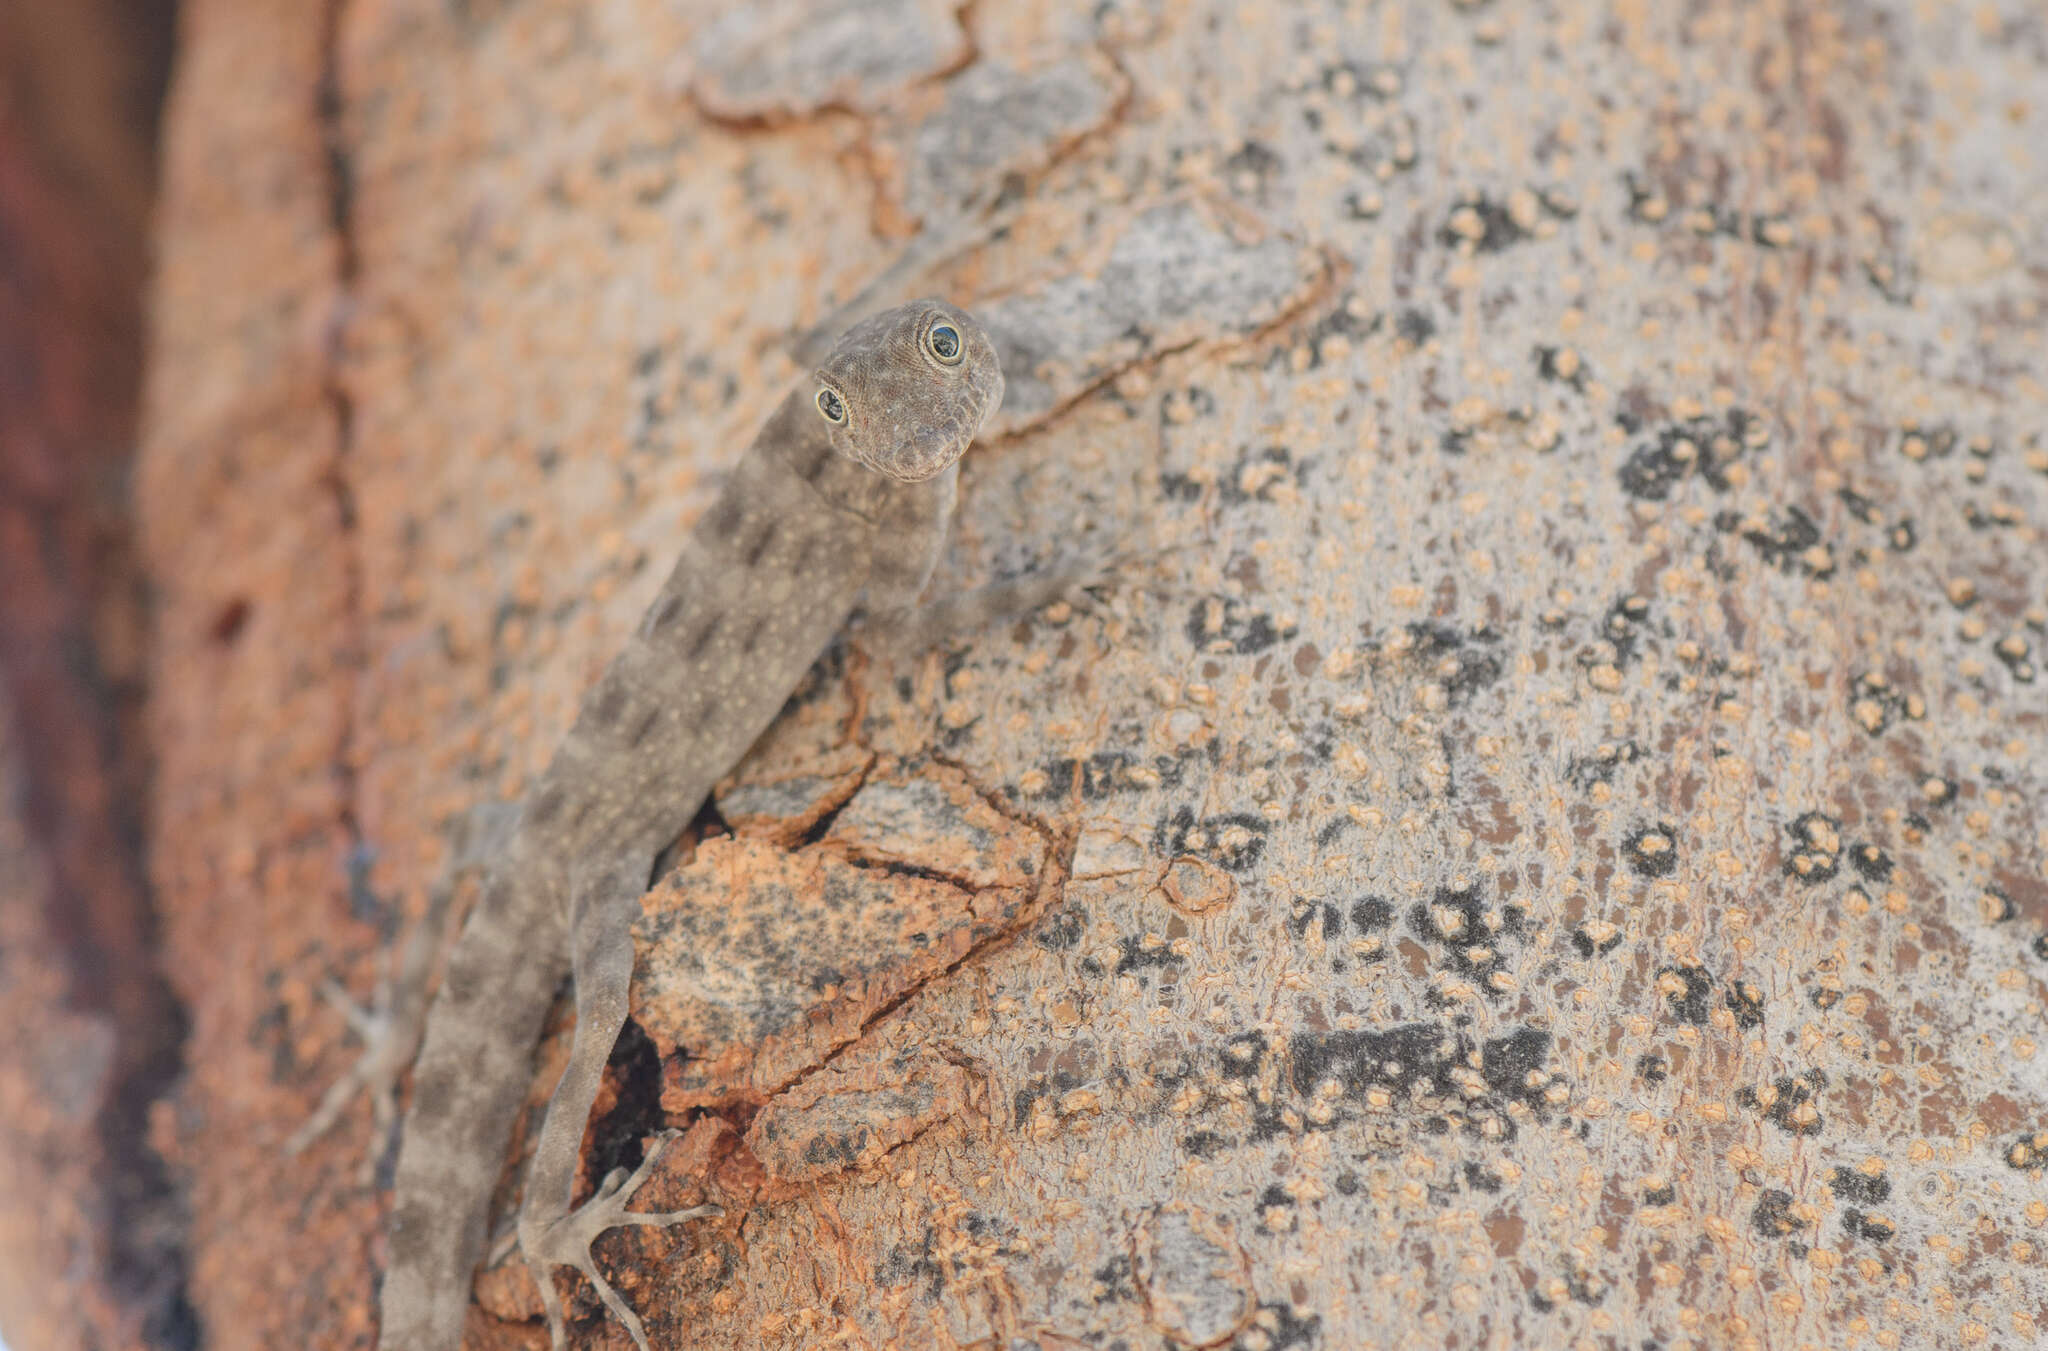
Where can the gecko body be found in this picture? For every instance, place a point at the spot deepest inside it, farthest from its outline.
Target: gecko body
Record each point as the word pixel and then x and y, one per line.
pixel 841 503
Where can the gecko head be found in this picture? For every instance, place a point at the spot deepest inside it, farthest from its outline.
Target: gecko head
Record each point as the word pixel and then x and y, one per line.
pixel 905 391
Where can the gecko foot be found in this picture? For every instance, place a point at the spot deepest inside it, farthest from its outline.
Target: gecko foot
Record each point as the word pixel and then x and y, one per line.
pixel 388 1034
pixel 565 1242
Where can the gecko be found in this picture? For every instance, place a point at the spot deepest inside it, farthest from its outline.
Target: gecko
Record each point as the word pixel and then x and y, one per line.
pixel 839 509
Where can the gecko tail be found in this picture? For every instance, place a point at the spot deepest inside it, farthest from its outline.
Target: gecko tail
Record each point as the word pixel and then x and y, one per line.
pixel 472 1075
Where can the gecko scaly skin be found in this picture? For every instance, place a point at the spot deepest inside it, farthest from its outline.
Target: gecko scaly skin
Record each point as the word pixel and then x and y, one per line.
pixel 842 502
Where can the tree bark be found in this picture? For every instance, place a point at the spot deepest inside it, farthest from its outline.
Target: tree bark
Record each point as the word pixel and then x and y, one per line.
pixel 1540 846
pixel 91 1228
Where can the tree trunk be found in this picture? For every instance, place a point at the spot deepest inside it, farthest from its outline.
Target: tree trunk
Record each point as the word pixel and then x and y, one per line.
pixel 92 1233
pixel 1541 845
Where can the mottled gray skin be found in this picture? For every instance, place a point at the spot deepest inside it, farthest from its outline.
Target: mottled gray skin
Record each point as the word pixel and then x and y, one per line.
pixel 817 520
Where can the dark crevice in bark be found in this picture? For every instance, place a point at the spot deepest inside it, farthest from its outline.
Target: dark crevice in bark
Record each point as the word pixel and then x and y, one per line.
pixel 73 263
pixel 338 172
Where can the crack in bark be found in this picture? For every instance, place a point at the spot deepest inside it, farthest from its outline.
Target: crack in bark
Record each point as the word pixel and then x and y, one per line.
pixel 338 179
pixel 1051 879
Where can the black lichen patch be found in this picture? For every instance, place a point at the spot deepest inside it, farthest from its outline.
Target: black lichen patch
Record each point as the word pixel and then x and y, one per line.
pixel 1649 206
pixel 1856 1224
pixel 1198 402
pixel 1585 1287
pixel 1920 443
pixel 1646 205
pixel 1563 365
pixel 2028 1151
pixel 1220 625
pixel 1038 1088
pixel 1255 473
pixel 1652 1069
pixel 1861 507
pixel 2018 656
pixel 1773 1217
pixel 1320 915
pixel 1375 83
pixel 1467 934
pixel 1464 663
pixel 1652 851
pixel 1702 446
pixel 1482 1179
pixel 1386 150
pixel 921 1265
pixel 1875 703
pixel 1107 772
pixel 1277 1212
pixel 1596 942
pixel 1248 1060
pixel 1714 218
pixel 1137 955
pixel 1771 230
pixel 1600 766
pixel 1861 1188
pixel 1113 1283
pixel 1789 540
pixel 1746 1002
pixel 1871 862
pixel 1688 992
pixel 1896 278
pixel 1242 1055
pixel 1061 929
pixel 1624 626
pixel 1815 852
pixel 1233 840
pixel 1371 914
pixel 1788 1102
pixel 1414 327
pixel 1251 169
pixel 1423 1069
pixel 1345 320
pixel 1331 919
pixel 1662 1195
pixel 1482 225
pixel 1999 516
pixel 1276 1327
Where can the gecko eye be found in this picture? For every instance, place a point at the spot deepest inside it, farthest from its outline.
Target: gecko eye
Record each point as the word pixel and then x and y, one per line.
pixel 832 406
pixel 943 342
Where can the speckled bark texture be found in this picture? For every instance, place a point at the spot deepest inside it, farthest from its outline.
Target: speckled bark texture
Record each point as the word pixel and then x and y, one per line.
pixel 1543 846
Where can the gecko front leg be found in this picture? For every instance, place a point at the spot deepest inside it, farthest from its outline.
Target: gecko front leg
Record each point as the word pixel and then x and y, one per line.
pixel 390 1025
pixel 604 902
